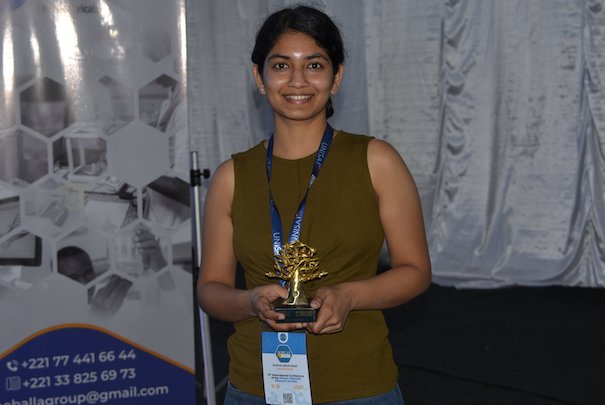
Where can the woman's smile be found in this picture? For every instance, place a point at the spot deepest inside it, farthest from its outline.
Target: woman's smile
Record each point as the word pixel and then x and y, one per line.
pixel 298 98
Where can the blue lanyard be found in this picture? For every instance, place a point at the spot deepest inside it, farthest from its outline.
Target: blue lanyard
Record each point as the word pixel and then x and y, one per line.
pixel 276 224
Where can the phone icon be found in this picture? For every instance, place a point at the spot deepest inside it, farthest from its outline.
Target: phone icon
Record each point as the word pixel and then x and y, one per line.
pixel 12 365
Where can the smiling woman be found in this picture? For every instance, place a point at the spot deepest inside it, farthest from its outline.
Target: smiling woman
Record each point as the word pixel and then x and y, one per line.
pixel 344 194
pixel 303 20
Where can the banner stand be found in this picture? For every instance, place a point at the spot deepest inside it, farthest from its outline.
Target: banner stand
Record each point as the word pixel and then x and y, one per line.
pixel 202 324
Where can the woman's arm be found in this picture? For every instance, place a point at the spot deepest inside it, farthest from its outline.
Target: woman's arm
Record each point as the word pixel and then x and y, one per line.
pixel 402 221
pixel 216 290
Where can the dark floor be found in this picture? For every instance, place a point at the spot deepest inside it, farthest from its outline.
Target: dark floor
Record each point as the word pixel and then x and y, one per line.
pixel 520 345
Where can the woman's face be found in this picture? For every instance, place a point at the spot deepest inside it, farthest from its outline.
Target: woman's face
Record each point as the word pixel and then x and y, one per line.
pixel 298 78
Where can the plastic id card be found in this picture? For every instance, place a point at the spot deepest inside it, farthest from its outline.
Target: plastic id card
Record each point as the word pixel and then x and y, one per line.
pixel 285 368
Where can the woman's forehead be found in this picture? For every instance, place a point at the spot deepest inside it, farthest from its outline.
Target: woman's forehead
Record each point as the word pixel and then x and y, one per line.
pixel 291 42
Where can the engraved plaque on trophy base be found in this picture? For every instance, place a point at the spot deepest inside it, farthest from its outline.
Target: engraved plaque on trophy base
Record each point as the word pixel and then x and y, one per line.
pixel 297 313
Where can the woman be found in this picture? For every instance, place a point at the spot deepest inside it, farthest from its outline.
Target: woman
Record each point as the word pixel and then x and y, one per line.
pixel 363 195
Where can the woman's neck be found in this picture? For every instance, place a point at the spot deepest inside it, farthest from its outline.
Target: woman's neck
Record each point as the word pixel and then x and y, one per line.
pixel 297 139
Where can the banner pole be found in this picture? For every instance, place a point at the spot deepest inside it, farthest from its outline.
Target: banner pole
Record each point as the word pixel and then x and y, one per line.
pixel 196 241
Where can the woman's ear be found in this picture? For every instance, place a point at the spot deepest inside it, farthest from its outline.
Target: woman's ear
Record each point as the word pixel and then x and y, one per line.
pixel 337 79
pixel 258 79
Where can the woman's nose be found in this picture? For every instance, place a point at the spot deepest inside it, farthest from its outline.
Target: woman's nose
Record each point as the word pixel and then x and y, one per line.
pixel 297 78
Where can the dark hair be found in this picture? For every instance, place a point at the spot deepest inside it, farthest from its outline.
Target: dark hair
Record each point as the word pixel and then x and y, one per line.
pixel 85 267
pixel 304 19
pixel 71 251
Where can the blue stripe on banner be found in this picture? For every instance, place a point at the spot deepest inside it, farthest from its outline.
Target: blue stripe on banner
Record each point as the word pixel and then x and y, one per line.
pixel 86 365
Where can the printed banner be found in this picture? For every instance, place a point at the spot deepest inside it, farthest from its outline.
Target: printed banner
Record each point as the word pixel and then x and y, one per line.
pixel 95 367
pixel 96 295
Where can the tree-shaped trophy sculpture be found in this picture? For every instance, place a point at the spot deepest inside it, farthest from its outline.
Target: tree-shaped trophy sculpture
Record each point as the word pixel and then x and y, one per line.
pixel 297 264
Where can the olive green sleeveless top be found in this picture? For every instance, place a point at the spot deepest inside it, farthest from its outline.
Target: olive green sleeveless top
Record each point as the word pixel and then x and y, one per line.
pixel 341 222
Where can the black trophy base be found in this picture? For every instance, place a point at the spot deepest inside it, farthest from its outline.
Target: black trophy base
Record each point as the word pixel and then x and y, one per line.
pixel 296 313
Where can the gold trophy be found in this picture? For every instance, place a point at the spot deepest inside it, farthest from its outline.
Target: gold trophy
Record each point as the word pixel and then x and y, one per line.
pixel 297 264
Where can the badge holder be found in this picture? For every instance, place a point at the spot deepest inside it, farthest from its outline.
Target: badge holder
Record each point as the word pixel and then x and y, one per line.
pixel 285 368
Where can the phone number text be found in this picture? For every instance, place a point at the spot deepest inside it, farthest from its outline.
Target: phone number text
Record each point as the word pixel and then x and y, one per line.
pixel 90 377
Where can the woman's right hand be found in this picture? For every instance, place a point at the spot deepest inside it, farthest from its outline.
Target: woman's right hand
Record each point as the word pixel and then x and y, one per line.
pixel 262 299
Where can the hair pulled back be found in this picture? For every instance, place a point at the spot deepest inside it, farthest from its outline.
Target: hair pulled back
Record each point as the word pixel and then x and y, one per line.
pixel 306 20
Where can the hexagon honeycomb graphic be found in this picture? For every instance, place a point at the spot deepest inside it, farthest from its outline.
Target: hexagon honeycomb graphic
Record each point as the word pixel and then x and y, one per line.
pixel 157 100
pixel 140 252
pixel 166 202
pixel 44 107
pixel 83 257
pixel 7 113
pixel 111 206
pixel 138 154
pixel 108 295
pixel 23 261
pixel 119 105
pixel 80 154
pixel 52 208
pixel 24 158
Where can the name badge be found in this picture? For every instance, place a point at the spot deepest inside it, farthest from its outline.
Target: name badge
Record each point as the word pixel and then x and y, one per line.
pixel 285 368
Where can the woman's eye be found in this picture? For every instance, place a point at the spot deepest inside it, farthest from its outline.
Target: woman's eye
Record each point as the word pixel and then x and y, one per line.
pixel 280 66
pixel 315 65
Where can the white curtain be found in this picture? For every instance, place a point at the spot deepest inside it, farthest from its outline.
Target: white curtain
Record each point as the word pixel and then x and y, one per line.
pixel 498 108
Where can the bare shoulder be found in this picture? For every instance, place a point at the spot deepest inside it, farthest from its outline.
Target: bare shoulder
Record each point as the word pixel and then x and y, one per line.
pixel 225 173
pixel 383 153
pixel 222 184
pixel 379 146
pixel 386 164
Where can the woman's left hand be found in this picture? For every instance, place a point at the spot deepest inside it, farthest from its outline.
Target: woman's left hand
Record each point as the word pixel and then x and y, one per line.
pixel 334 305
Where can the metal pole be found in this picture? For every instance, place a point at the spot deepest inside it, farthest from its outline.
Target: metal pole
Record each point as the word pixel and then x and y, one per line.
pixel 196 178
